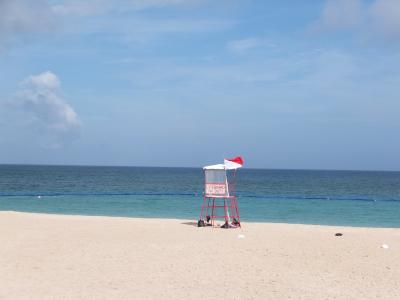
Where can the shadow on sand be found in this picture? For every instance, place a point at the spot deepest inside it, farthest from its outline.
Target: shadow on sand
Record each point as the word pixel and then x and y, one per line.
pixel 190 223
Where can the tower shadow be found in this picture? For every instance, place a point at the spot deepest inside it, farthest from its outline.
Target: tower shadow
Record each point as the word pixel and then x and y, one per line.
pixel 190 223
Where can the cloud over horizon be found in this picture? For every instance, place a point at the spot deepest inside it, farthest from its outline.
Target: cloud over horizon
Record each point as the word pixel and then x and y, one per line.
pixel 40 100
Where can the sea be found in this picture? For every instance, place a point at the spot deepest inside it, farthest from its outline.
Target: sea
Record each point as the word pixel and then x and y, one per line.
pixel 348 198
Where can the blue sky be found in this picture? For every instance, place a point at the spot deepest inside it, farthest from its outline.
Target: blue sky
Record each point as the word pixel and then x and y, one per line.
pixel 287 84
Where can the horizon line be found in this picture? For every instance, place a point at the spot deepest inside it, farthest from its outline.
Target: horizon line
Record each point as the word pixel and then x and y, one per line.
pixel 192 167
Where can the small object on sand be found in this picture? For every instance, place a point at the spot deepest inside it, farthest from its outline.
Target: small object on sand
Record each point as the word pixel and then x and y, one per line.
pixel 241 236
pixel 201 223
pixel 338 234
pixel 384 246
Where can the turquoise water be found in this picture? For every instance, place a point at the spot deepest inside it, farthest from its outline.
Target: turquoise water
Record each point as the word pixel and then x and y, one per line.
pixel 352 198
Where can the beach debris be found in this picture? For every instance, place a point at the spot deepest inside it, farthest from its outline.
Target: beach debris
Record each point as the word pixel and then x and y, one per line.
pixel 241 236
pixel 338 234
pixel 384 246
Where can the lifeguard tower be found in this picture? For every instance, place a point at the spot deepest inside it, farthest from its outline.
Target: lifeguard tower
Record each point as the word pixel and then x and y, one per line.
pixel 219 201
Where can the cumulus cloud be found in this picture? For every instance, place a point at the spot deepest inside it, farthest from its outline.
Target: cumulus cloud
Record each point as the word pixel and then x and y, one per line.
pixel 19 17
pixel 379 18
pixel 40 100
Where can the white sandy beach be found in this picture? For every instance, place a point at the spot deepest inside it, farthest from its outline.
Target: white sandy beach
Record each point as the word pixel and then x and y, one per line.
pixel 79 257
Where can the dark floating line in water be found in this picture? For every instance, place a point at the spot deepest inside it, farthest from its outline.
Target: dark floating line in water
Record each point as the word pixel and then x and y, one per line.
pixel 97 194
pixel 264 197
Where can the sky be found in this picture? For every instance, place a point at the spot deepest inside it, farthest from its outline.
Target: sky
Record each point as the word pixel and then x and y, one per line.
pixel 286 84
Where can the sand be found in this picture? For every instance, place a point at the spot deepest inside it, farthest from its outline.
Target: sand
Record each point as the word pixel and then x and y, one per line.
pixel 79 257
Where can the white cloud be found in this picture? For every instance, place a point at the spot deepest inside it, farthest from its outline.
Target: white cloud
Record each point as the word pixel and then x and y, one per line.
pixel 385 15
pixel 143 30
pixel 18 17
pixel 45 80
pixel 39 99
pixel 243 45
pixel 377 19
pixel 99 7
pixel 339 14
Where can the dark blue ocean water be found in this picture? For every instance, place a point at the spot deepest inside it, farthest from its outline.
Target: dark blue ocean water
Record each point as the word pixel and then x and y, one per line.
pixel 354 198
